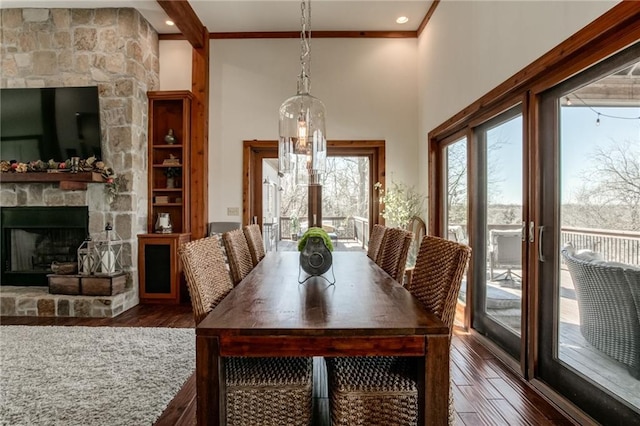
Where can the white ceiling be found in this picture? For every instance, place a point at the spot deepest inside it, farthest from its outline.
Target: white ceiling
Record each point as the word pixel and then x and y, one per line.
pixel 266 15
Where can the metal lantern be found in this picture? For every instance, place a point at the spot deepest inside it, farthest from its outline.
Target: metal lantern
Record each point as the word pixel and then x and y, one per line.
pixel 85 257
pixel 107 252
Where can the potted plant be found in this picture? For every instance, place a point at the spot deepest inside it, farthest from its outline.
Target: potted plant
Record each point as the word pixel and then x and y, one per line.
pixel 295 227
pixel 171 173
pixel 315 248
pixel 401 203
pixel 318 233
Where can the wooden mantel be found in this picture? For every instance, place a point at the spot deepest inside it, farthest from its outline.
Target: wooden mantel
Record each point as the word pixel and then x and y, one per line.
pixel 67 180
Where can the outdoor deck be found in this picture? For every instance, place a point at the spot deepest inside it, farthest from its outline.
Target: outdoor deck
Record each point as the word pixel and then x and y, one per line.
pixel 574 350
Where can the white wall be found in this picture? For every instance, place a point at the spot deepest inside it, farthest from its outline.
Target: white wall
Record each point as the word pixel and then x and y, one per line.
pixel 367 85
pixel 175 65
pixel 470 47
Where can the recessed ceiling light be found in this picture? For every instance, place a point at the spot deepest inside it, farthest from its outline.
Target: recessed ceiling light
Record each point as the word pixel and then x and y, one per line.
pixel 170 23
pixel 402 20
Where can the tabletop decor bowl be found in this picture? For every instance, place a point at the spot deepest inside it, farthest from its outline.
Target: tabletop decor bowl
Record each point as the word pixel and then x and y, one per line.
pixel 64 268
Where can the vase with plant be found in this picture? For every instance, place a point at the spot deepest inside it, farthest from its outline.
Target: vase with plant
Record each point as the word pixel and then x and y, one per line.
pixel 171 173
pixel 315 248
pixel 401 203
pixel 295 227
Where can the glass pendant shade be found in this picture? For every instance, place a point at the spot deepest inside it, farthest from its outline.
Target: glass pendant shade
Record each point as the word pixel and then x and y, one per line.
pixel 302 148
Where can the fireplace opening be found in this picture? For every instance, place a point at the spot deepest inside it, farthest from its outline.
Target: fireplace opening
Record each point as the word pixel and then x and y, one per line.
pixel 34 237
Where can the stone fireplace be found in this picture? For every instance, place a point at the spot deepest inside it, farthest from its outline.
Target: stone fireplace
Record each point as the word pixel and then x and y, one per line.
pixel 117 50
pixel 32 238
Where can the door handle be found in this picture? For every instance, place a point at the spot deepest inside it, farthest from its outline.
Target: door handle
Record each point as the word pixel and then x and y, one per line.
pixel 540 233
pixel 523 231
pixel 532 231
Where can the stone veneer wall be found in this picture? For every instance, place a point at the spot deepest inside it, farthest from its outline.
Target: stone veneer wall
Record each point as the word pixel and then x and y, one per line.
pixel 116 50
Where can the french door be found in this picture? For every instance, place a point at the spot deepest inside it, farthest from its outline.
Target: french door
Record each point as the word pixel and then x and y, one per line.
pixel 573 325
pixel 368 163
pixel 589 336
pixel 498 237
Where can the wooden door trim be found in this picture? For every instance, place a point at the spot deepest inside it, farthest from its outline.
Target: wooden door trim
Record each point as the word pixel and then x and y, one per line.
pixel 613 31
pixel 374 149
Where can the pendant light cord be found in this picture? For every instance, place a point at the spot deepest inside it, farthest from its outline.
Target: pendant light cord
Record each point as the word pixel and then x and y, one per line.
pixel 305 47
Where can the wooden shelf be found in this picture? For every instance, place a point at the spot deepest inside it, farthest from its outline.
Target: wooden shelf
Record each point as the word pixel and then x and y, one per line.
pixel 167 146
pixel 166 166
pixel 169 111
pixel 67 180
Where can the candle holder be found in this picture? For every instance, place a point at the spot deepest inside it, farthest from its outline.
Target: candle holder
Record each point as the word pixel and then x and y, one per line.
pixel 85 257
pixel 75 164
pixel 107 252
pixel 163 224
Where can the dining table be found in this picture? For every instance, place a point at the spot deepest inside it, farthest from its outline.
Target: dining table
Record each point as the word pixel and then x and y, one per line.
pixel 364 313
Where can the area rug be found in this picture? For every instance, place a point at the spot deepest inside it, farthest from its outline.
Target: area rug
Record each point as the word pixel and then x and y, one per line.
pixel 91 375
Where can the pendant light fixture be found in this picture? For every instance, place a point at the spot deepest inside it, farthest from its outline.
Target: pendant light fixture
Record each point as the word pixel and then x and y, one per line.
pixel 302 147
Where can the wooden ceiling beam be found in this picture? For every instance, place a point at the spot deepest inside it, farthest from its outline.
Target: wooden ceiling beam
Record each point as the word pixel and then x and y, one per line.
pixel 186 20
pixel 426 18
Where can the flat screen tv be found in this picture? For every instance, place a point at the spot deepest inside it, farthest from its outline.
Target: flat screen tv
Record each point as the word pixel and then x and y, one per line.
pixel 51 123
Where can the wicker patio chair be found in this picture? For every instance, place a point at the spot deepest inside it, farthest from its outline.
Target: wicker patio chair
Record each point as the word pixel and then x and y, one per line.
pixel 255 242
pixel 240 262
pixel 259 391
pixel 394 252
pixel 383 390
pixel 608 297
pixel 505 252
pixel 375 241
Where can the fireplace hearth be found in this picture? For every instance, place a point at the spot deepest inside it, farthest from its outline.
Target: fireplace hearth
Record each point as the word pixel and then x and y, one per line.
pixel 31 238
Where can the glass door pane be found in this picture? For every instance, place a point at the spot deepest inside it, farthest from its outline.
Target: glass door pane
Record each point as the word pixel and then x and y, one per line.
pixel 498 298
pixel 455 155
pixel 503 297
pixel 600 233
pixel 590 276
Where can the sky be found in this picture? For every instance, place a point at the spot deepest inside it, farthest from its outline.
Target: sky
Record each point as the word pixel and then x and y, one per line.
pixel 579 137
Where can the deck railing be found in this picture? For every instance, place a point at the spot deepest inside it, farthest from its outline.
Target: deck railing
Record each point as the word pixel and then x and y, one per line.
pixel 342 226
pixel 615 246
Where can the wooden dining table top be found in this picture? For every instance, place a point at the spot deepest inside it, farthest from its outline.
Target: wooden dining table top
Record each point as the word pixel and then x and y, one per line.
pixel 364 301
pixel 365 313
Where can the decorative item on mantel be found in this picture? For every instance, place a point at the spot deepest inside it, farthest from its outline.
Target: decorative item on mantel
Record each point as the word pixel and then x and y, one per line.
pixel 163 224
pixel 315 248
pixel 170 137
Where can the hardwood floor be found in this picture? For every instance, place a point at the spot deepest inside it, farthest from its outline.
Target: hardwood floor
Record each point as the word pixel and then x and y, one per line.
pixel 485 391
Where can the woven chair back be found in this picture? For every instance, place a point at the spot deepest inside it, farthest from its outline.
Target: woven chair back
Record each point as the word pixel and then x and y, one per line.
pixel 240 263
pixel 375 241
pixel 394 251
pixel 255 242
pixel 436 281
pixel 207 278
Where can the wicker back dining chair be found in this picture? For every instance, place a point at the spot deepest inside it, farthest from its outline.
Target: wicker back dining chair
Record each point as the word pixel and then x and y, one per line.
pixel 240 263
pixel 384 390
pixel 208 281
pixel 256 243
pixel 394 252
pixel 375 241
pixel 259 391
